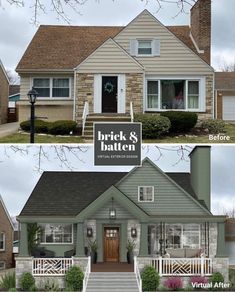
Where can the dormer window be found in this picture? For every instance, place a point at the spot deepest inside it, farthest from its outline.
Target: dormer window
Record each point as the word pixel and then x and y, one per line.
pixel 144 47
pixel 145 193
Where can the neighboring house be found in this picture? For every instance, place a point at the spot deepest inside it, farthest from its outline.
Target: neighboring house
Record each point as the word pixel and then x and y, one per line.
pixel 230 239
pixel 142 67
pixel 14 97
pixel 6 237
pixel 225 95
pixel 167 215
pixel 4 93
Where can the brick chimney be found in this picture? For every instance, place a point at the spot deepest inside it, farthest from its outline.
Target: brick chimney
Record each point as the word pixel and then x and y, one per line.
pixel 201 27
pixel 200 173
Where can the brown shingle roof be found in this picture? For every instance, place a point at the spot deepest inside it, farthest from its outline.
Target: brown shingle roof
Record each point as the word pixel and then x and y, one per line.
pixel 14 89
pixel 65 47
pixel 225 80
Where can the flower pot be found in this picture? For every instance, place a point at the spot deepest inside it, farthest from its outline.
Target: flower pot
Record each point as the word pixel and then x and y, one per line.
pixel 130 257
pixel 94 257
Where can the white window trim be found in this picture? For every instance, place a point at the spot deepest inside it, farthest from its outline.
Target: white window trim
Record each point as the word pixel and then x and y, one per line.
pixel 4 265
pixel 181 234
pixel 144 55
pixel 51 87
pixel 139 194
pixel 58 243
pixel 202 90
pixel 4 241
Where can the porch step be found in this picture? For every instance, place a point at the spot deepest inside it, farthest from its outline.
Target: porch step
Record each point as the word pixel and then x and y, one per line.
pixel 110 281
pixel 105 118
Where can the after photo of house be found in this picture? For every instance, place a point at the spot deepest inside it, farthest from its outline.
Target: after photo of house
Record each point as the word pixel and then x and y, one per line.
pixel 172 215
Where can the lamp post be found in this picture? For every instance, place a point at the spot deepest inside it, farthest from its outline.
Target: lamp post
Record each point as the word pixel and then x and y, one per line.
pixel 32 95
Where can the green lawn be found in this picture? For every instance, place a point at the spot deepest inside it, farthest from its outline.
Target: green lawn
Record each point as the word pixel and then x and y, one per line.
pixel 24 138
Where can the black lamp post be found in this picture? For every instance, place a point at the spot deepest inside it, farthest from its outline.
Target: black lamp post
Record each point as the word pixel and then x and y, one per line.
pixel 32 95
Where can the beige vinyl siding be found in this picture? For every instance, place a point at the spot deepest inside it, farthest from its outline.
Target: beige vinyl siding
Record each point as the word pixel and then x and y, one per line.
pixel 25 82
pixel 175 57
pixel 121 213
pixel 168 198
pixel 109 58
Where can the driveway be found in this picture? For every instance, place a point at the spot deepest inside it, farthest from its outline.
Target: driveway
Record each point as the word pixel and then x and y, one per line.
pixel 8 129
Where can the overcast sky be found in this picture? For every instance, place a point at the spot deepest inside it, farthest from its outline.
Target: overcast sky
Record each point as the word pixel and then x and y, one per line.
pixel 16 30
pixel 19 170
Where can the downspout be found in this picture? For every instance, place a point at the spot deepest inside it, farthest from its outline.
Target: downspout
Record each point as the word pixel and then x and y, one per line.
pixel 144 88
pixel 213 97
pixel 74 93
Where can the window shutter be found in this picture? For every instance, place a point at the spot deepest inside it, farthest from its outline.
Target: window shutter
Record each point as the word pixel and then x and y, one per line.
pixel 156 47
pixel 133 47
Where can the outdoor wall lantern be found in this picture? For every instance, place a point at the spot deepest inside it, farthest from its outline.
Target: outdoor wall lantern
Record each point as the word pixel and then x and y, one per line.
pixel 133 232
pixel 89 232
pixel 112 212
pixel 32 95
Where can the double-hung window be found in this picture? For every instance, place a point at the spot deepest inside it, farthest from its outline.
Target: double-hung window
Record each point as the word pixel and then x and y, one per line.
pixel 52 87
pixel 144 47
pixel 56 233
pixel 170 94
pixel 146 193
pixel 2 241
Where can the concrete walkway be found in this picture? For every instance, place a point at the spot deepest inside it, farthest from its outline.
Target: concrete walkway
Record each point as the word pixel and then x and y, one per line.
pixel 8 129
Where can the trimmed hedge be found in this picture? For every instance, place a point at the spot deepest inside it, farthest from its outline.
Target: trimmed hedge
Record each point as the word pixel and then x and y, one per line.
pixel 40 126
pixel 62 127
pixel 153 125
pixel 181 122
pixel 213 126
pixel 150 279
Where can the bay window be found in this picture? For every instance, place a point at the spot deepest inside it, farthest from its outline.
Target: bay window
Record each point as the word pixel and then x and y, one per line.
pixel 173 94
pixel 56 233
pixel 52 87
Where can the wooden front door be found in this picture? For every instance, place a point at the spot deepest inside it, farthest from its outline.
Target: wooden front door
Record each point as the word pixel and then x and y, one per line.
pixel 109 94
pixel 111 244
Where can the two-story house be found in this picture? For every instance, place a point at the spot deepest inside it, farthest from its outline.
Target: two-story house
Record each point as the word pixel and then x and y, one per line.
pixel 115 71
pixel 167 216
pixel 6 237
pixel 4 93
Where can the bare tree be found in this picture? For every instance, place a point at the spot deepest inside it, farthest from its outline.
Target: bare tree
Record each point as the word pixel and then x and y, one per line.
pixel 228 67
pixel 59 7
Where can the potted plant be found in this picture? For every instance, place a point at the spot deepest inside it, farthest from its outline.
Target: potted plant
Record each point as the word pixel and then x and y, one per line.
pixel 93 251
pixel 130 248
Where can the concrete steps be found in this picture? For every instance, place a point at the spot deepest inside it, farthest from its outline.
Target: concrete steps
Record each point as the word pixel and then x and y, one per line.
pixel 104 118
pixel 112 281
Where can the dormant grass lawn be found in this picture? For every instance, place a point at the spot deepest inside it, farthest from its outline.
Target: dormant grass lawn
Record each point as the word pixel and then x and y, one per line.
pixel 24 138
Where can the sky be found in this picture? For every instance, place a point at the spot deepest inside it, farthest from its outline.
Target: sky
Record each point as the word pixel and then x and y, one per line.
pixel 17 30
pixel 19 169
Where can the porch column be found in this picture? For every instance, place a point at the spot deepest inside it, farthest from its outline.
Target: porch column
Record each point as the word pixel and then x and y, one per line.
pixel 80 252
pixel 23 250
pixel 144 240
pixel 220 240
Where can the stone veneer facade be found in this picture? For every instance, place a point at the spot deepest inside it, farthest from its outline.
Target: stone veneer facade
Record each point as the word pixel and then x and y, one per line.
pixel 134 92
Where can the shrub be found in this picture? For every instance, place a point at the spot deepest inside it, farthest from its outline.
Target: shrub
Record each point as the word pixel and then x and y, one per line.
pixel 51 285
pixel 174 283
pixel 198 280
pixel 63 127
pixel 8 281
pixel 40 126
pixel 153 125
pixel 181 121
pixel 150 279
pixel 216 278
pixel 27 281
pixel 232 277
pixel 213 126
pixel 74 278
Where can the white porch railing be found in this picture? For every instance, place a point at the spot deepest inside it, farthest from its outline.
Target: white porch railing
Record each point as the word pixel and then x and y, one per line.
pixel 131 111
pixel 51 266
pixel 84 115
pixel 179 266
pixel 137 273
pixel 87 274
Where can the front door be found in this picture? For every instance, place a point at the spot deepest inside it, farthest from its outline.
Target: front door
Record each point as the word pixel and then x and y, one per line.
pixel 111 244
pixel 109 94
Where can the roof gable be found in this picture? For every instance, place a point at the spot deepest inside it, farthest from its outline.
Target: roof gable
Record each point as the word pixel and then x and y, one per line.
pixel 145 25
pixel 171 195
pixel 6 212
pixel 110 53
pixel 4 71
